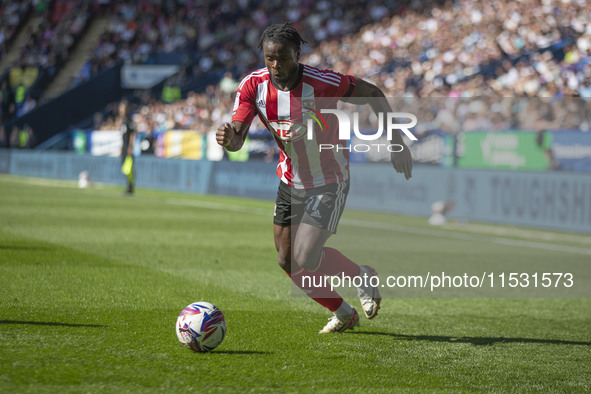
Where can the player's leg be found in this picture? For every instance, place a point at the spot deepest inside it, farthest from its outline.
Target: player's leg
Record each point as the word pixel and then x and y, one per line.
pixel 282 236
pixel 305 279
pixel 131 179
pixel 286 218
pixel 320 220
pixel 308 244
pixel 309 251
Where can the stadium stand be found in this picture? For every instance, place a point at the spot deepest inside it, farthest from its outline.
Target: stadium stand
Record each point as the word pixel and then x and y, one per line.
pixel 12 16
pixel 421 48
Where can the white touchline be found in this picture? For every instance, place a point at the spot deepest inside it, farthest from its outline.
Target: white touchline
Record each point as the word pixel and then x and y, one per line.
pixel 470 237
pixel 218 206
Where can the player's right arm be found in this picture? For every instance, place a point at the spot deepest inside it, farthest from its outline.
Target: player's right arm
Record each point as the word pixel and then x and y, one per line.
pixel 232 135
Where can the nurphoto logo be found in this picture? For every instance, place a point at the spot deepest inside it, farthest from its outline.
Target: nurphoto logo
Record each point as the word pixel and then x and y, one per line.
pixel 348 122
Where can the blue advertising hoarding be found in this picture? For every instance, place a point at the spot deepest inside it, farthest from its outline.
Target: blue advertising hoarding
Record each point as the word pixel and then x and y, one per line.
pixel 554 200
pixel 572 150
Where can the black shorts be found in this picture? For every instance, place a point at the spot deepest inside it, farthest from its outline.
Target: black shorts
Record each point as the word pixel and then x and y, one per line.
pixel 320 207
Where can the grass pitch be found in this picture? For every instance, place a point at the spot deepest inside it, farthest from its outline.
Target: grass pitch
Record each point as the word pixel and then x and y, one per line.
pixel 91 283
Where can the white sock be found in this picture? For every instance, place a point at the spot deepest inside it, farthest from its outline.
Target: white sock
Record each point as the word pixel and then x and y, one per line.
pixel 344 311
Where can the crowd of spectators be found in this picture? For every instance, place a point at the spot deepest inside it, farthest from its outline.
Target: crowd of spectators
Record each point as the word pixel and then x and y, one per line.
pixel 48 45
pixel 467 48
pixel 493 52
pixel 204 112
pixel 423 48
pixel 455 49
pixel 222 34
pixel 137 29
pixel 17 137
pixel 12 13
pixel 198 111
pixel 489 113
pixel 50 41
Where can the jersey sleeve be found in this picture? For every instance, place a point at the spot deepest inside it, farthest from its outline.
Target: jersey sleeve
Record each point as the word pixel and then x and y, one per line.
pixel 244 104
pixel 346 85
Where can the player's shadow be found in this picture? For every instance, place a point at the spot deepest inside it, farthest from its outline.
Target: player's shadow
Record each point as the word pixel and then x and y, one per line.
pixel 55 324
pixel 477 341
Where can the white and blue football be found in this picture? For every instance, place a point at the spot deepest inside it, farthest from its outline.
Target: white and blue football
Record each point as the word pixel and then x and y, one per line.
pixel 201 326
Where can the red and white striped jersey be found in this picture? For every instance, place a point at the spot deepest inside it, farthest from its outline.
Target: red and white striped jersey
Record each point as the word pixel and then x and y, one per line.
pixel 302 164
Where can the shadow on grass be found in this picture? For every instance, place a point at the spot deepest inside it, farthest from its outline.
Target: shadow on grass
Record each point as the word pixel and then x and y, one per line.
pixel 25 247
pixel 45 323
pixel 477 341
pixel 237 352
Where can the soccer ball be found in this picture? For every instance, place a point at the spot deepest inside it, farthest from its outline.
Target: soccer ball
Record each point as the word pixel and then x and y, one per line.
pixel 201 326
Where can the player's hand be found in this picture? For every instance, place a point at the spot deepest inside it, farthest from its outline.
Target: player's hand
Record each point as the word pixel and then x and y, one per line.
pixel 225 134
pixel 402 161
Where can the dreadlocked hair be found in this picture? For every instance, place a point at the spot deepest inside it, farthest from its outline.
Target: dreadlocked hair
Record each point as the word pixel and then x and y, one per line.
pixel 282 33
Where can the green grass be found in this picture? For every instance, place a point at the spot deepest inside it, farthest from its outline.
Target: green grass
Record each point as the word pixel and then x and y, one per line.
pixel 91 283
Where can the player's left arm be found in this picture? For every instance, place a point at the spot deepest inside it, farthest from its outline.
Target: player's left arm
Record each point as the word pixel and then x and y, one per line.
pixel 368 93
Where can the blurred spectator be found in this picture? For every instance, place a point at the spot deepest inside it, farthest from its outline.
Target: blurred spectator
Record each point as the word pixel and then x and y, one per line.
pixel 171 91
pixel 19 98
pixel 26 137
pixel 7 100
pixel 97 121
pixel 227 84
pixel 41 6
pixel 14 137
pixel 29 104
pixel 543 141
pixel 23 138
pixel 3 137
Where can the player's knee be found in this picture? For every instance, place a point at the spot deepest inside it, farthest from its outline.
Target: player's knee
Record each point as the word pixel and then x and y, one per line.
pixel 284 262
pixel 306 259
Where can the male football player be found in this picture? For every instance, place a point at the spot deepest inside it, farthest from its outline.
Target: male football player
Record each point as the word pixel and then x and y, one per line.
pixel 314 182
